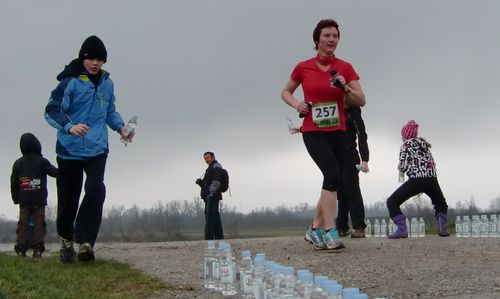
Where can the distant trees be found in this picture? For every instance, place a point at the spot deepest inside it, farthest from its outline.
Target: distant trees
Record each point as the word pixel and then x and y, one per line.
pixel 495 205
pixel 184 220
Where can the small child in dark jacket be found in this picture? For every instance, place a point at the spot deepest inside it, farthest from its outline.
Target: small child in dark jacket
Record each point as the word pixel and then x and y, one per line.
pixel 28 186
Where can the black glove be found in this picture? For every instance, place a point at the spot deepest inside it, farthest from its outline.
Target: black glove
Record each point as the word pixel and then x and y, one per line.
pixel 199 182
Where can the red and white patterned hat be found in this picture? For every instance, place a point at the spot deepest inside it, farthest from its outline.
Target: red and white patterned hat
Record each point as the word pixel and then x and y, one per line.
pixel 410 130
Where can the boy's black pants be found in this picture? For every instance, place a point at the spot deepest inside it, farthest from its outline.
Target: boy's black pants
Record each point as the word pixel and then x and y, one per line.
pixel 80 222
pixel 412 187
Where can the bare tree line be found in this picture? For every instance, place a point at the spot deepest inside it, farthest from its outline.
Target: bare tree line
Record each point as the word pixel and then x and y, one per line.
pixel 184 220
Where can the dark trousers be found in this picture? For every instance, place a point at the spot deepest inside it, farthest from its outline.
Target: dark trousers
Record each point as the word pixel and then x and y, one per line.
pixel 350 198
pixel 412 187
pixel 25 238
pixel 80 222
pixel 213 223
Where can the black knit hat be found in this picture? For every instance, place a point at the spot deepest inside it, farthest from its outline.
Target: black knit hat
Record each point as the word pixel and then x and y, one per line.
pixel 93 47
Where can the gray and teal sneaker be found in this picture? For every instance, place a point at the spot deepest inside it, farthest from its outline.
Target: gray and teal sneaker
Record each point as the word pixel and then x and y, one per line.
pixel 67 251
pixel 332 239
pixel 315 237
pixel 86 252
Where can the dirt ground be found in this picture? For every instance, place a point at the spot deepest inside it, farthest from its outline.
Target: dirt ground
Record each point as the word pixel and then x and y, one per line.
pixel 430 267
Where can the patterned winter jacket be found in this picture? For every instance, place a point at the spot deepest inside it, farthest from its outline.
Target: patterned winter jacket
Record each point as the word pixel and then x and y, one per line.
pixel 415 158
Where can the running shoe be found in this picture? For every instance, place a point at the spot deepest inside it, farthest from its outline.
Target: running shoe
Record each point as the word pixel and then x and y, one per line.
pixel 67 251
pixel 86 252
pixel 332 240
pixel 343 232
pixel 358 233
pixel 315 237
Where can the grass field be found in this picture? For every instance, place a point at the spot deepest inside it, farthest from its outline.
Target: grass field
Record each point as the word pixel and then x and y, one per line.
pixel 48 278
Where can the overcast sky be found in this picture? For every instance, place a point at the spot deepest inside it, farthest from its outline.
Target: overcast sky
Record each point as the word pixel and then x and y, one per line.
pixel 207 75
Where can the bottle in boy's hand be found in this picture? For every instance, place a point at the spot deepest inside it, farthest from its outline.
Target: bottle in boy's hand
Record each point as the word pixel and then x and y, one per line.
pixel 130 130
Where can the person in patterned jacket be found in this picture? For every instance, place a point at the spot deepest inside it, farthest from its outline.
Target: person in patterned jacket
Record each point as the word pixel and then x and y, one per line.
pixel 415 159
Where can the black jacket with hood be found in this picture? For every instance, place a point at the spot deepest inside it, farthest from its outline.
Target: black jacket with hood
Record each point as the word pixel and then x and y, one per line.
pixel 28 181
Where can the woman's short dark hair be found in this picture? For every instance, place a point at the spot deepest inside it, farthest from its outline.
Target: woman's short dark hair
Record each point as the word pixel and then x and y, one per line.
pixel 323 24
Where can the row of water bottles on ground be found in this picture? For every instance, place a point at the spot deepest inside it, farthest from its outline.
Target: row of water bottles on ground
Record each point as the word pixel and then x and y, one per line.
pixel 477 226
pixel 263 279
pixel 382 228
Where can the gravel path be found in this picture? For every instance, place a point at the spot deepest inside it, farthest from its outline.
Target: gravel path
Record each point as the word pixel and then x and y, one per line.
pixel 431 267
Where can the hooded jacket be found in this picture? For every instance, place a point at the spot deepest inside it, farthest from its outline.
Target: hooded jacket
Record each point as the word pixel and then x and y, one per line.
pixel 415 158
pixel 80 98
pixel 28 181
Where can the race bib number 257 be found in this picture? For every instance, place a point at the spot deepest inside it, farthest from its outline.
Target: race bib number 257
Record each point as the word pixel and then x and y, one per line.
pixel 326 114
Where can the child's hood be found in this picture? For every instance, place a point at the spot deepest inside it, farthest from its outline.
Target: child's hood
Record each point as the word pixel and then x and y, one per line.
pixel 417 142
pixel 29 144
pixel 73 69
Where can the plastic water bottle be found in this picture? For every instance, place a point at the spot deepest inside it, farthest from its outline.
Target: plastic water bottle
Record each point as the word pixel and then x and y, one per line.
pixel 334 291
pixel 408 224
pixel 485 226
pixel 258 277
pixel 318 292
pixel 130 129
pixel 493 226
pixel 383 228
pixel 227 272
pixel 306 285
pixel 458 227
pixel 267 282
pixel 498 226
pixel 360 296
pixel 414 227
pixel 390 227
pixel 216 266
pixel 368 228
pixel 376 229
pixel 401 177
pixel 287 284
pixel 209 259
pixel 349 292
pixel 246 269
pixel 278 276
pixel 476 226
pixel 421 227
pixel 466 227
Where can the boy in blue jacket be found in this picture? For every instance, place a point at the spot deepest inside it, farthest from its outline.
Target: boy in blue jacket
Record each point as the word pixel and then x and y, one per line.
pixel 28 188
pixel 81 108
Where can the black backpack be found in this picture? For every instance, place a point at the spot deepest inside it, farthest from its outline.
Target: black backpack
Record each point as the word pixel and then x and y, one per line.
pixel 224 184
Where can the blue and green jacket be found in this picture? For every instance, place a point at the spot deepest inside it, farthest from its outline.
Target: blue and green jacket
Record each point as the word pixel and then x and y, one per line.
pixel 79 100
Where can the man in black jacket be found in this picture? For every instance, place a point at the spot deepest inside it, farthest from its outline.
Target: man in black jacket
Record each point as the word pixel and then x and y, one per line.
pixel 350 199
pixel 211 194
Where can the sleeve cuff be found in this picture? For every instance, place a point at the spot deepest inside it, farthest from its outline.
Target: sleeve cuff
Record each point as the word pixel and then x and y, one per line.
pixel 66 128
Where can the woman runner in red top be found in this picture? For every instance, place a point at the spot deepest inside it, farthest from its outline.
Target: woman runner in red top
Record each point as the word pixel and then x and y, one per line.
pixel 327 83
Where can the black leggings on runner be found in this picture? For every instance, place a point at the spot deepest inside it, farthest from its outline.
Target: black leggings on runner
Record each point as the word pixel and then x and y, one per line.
pixel 327 149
